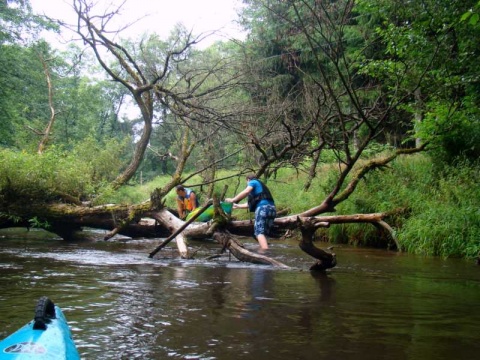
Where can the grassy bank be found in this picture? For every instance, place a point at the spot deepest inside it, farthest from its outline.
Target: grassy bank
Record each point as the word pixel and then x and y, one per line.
pixel 443 215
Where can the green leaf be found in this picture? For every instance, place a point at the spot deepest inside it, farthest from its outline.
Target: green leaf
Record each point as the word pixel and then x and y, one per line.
pixel 465 16
pixel 474 19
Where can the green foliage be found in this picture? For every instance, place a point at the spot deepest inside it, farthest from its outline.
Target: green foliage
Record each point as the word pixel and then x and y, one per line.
pixel 18 22
pixel 443 216
pixel 22 89
pixel 104 159
pixel 448 222
pixel 82 106
pixel 22 80
pixel 48 176
pixel 138 193
pixel 81 173
pixel 37 223
pixel 453 132
pixel 472 16
pixel 431 46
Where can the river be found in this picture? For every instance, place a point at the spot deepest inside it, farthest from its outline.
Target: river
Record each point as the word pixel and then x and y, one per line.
pixel 122 305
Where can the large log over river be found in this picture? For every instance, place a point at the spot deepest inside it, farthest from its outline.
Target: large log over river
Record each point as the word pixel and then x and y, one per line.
pixel 66 220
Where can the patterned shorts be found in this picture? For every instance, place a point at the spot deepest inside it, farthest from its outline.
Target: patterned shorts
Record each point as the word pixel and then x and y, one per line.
pixel 264 217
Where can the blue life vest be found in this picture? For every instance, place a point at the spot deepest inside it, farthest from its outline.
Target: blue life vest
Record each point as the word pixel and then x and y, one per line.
pixel 260 195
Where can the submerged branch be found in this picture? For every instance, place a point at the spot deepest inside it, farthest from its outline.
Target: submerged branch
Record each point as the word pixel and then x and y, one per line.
pixel 242 254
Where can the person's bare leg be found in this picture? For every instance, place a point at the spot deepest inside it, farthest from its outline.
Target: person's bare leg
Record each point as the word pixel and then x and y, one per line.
pixel 262 241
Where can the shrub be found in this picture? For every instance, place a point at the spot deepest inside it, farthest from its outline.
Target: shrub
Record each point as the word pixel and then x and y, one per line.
pixel 46 176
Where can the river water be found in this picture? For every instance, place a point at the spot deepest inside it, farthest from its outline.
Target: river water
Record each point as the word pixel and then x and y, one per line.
pixel 122 305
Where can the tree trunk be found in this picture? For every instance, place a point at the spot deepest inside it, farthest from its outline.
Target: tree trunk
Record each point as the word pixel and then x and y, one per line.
pixel 48 129
pixel 418 113
pixel 308 227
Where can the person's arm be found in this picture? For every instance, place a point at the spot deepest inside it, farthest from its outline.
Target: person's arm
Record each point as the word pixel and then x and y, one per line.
pixel 240 196
pixel 240 206
pixel 180 208
pixel 193 199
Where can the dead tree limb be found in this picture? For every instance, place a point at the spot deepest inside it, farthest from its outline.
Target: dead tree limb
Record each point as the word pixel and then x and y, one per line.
pixel 132 217
pixel 183 227
pixel 241 227
pixel 238 251
pixel 326 260
pixel 388 229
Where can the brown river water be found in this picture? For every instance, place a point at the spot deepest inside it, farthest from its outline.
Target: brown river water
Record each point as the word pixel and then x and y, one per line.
pixel 122 305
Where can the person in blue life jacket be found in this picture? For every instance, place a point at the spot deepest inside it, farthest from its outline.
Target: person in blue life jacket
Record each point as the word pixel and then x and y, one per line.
pixel 187 201
pixel 260 201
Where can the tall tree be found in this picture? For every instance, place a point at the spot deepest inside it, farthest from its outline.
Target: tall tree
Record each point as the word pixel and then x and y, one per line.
pixel 157 76
pixel 18 27
pixel 18 23
pixel 330 101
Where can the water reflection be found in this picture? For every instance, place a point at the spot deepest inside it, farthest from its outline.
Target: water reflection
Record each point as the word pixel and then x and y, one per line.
pixel 326 284
pixel 122 305
pixel 254 284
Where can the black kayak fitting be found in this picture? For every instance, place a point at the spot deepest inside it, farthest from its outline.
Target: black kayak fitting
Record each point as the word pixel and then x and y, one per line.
pixel 44 313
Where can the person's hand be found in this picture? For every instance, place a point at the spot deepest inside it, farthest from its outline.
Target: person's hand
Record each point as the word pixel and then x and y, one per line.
pixel 229 200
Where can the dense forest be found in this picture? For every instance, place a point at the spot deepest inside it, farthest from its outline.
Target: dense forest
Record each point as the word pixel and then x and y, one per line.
pixel 321 94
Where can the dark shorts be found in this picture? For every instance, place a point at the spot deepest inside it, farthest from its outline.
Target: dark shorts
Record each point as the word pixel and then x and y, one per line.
pixel 264 217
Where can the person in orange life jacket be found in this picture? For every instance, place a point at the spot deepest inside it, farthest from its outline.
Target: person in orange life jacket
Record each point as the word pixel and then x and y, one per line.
pixel 261 202
pixel 186 201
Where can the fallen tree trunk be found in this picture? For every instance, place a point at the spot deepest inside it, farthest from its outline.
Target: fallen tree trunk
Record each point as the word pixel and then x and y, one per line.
pixel 291 222
pixel 144 220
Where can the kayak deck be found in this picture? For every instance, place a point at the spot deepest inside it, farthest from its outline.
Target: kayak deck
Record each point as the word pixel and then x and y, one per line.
pixel 48 336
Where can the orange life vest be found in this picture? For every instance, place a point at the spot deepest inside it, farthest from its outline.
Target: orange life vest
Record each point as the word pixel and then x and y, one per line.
pixel 187 202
